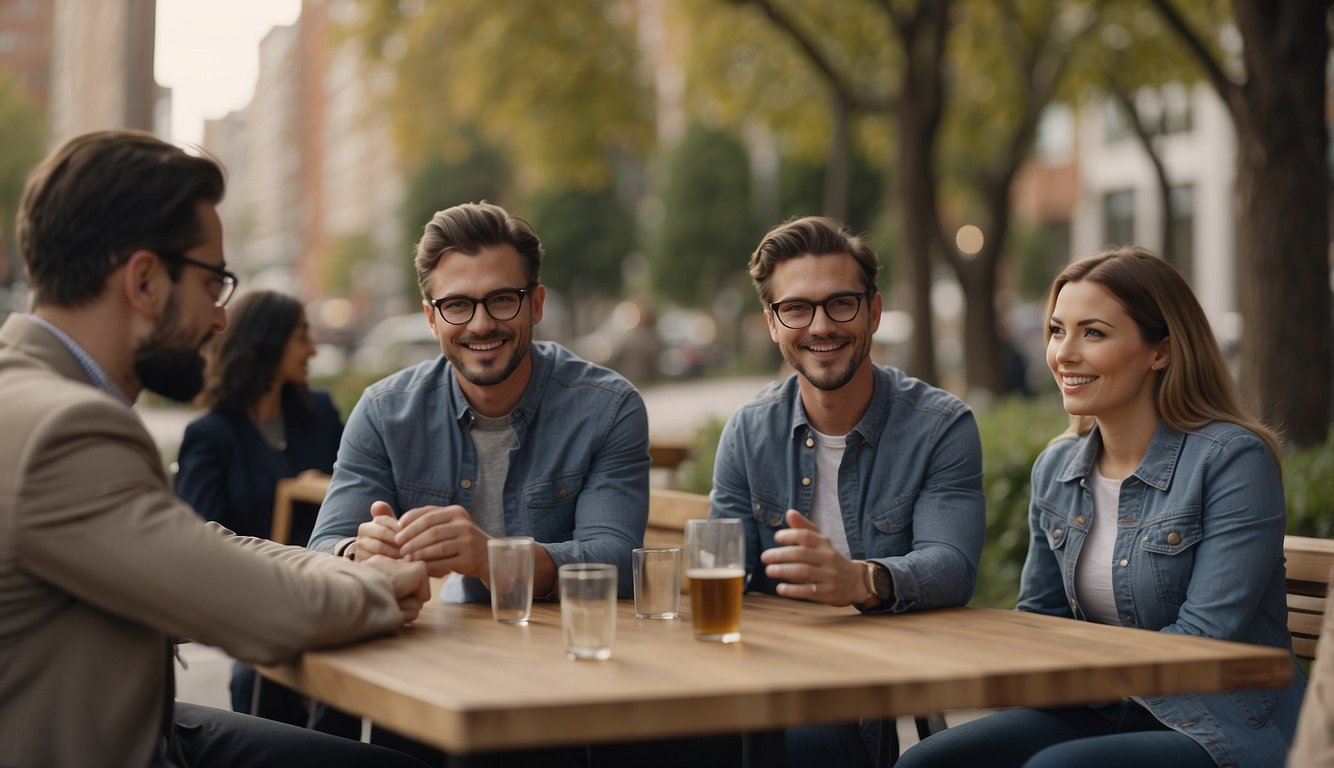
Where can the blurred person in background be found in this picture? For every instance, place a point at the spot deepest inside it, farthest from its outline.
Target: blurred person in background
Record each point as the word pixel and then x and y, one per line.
pixel 101 564
pixel 1160 507
pixel 264 424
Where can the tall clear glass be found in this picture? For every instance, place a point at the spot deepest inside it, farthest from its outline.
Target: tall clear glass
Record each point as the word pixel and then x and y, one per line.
pixel 716 570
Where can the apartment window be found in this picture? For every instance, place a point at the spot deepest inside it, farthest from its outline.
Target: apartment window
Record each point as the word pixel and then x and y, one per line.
pixel 1118 217
pixel 1183 228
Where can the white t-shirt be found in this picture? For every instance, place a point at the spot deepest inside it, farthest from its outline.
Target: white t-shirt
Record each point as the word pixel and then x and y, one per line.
pixel 826 512
pixel 1093 572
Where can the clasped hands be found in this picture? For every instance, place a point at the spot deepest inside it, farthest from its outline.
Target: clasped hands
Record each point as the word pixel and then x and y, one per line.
pixel 810 568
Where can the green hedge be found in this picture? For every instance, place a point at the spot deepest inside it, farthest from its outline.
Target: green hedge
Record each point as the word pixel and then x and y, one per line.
pixel 1014 432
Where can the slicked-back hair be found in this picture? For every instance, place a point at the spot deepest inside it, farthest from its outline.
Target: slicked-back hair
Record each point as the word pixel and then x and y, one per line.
pixel 470 227
pixel 101 196
pixel 1195 387
pixel 814 236
pixel 244 358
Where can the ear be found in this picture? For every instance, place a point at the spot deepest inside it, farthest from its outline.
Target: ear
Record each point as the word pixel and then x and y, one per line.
pixel 774 328
pixel 876 308
pixel 1163 355
pixel 538 299
pixel 141 282
pixel 431 316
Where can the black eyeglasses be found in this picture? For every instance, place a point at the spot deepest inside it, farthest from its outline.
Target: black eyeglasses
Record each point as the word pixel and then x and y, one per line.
pixel 799 313
pixel 223 283
pixel 501 304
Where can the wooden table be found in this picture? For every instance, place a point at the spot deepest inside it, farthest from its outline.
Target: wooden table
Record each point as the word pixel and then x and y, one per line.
pixel 464 683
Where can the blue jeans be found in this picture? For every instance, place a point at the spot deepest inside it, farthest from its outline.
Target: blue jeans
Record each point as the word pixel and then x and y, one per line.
pixel 1112 736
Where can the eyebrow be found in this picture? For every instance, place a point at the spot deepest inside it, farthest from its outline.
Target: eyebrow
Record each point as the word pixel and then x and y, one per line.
pixel 1083 323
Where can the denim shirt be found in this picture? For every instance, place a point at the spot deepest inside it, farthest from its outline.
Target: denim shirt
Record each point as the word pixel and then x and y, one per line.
pixel 578 473
pixel 909 485
pixel 1198 551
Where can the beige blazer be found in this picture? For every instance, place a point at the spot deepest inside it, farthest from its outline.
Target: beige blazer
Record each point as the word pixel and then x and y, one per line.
pixel 100 564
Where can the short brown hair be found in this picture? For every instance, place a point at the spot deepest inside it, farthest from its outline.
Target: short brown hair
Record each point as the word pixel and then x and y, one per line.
pixel 470 227
pixel 810 235
pixel 101 196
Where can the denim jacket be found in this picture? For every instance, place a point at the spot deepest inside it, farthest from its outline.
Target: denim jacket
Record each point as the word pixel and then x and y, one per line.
pixel 1198 551
pixel 909 485
pixel 578 474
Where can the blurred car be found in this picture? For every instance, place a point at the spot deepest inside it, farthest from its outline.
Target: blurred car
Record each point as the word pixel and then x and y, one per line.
pixel 395 343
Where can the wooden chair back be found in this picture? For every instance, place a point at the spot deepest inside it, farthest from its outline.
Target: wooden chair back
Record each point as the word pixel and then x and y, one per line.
pixel 1309 563
pixel 668 512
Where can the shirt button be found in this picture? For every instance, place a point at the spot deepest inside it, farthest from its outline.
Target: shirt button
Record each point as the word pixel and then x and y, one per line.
pixel 810 442
pixel 1056 534
pixel 775 519
pixel 1124 562
pixel 1145 539
pixel 1081 520
pixel 805 481
pixel 465 483
pixel 1174 538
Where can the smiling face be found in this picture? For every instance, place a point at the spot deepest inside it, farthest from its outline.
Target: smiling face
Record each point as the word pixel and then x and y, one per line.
pixel 1102 364
pixel 827 354
pixel 485 352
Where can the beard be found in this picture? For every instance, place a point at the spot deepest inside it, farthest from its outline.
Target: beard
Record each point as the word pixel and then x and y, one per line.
pixel 826 377
pixel 167 365
pixel 492 374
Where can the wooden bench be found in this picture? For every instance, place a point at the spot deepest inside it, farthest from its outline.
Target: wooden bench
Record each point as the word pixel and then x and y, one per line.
pixel 306 487
pixel 1309 562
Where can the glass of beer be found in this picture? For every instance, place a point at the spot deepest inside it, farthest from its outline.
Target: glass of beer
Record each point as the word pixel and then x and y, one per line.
pixel 716 569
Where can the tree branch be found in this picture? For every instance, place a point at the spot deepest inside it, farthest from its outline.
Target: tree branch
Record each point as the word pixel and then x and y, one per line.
pixel 1228 90
pixel 822 64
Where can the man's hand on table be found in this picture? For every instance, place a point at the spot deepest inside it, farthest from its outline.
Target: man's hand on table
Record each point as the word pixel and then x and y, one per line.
pixel 811 567
pixel 446 539
pixel 376 536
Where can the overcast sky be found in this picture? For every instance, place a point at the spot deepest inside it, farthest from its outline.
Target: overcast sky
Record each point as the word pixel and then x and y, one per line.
pixel 208 54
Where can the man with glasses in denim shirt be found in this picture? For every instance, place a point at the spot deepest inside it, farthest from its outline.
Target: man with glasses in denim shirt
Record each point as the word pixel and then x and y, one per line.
pixel 857 485
pixel 499 436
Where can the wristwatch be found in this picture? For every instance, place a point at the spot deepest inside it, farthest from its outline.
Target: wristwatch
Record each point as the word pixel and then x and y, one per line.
pixel 878 582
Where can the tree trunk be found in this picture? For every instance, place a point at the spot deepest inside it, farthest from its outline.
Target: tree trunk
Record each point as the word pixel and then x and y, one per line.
pixel 1282 200
pixel 981 342
pixel 918 116
pixel 838 163
pixel 1282 218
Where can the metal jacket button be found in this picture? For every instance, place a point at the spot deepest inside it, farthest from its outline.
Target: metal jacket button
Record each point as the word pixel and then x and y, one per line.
pixel 805 481
pixel 1081 520
pixel 466 483
pixel 1173 538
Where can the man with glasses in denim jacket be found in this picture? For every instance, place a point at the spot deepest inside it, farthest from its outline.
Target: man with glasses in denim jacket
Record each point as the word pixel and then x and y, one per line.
pixel 857 484
pixel 499 436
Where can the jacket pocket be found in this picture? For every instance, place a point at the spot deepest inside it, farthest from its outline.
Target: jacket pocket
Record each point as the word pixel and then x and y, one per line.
pixel 769 513
pixel 891 528
pixel 1055 524
pixel 1169 543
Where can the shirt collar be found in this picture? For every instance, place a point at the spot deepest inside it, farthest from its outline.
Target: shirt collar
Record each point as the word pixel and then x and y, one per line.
pixel 96 374
pixel 872 423
pixel 1155 469
pixel 532 394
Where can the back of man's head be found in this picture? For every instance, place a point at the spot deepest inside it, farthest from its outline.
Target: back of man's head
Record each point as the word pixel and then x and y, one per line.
pixel 809 236
pixel 470 227
pixel 100 197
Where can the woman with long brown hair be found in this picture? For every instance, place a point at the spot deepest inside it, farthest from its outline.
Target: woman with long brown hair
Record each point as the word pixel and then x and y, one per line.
pixel 1161 507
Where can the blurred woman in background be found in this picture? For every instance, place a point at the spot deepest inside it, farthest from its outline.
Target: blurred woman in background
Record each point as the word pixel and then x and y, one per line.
pixel 263 425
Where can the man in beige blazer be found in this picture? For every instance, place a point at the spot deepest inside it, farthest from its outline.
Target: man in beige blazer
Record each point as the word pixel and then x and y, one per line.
pixel 100 564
